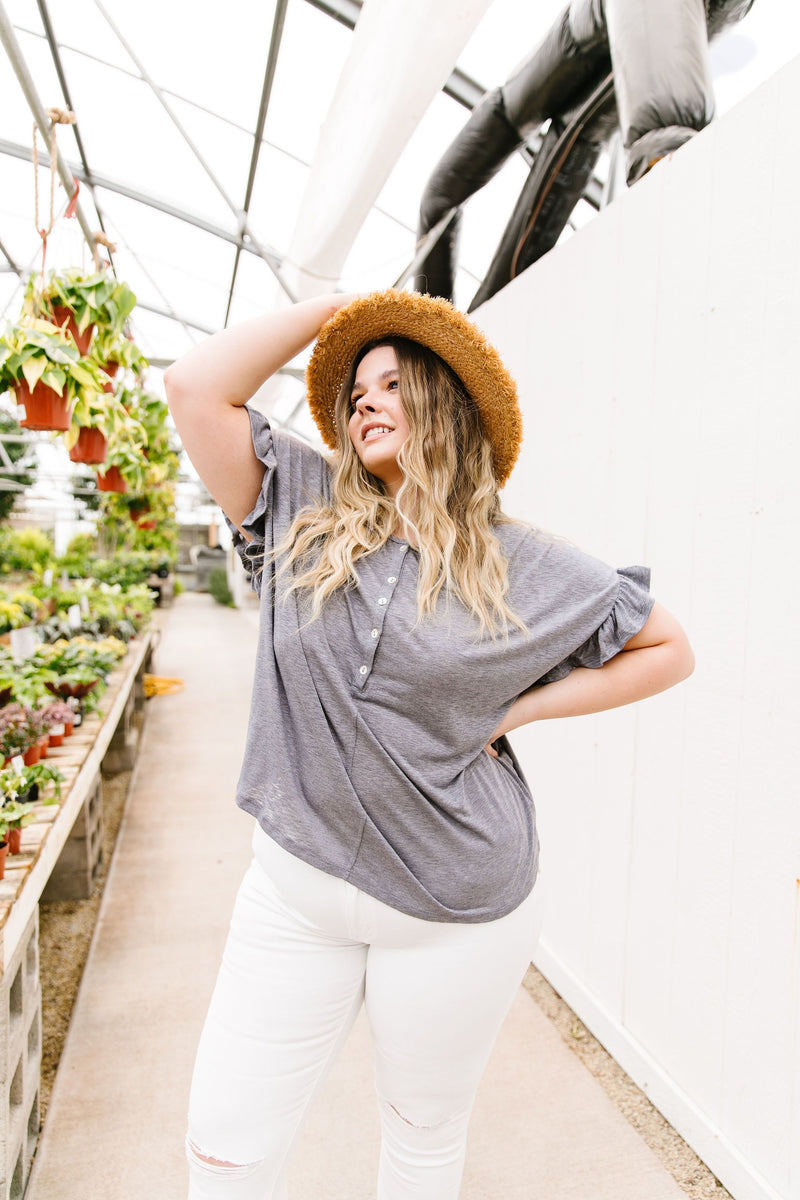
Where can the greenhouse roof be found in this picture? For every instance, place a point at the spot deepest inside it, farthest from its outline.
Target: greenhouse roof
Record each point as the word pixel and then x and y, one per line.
pixel 206 150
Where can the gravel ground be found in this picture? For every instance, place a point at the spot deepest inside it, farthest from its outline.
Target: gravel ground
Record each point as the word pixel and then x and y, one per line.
pixel 688 1171
pixel 65 933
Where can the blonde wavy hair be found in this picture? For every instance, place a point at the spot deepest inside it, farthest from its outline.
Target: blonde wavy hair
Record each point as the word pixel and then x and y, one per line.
pixel 448 501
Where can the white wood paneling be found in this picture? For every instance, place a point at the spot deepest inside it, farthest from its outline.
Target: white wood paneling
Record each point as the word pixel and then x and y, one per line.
pixel 656 353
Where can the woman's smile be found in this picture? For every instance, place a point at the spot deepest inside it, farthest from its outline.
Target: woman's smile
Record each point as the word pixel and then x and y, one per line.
pixel 378 426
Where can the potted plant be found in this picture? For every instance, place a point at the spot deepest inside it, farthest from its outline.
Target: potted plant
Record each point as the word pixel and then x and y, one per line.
pixel 77 302
pixel 125 462
pixel 45 369
pixel 19 792
pixel 96 417
pixel 115 350
pixel 13 732
pixel 15 817
pixel 61 721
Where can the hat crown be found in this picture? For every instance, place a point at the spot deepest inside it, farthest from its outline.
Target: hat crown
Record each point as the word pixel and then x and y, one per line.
pixel 433 322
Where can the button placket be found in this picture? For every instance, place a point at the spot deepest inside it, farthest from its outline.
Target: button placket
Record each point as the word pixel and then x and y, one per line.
pixel 382 603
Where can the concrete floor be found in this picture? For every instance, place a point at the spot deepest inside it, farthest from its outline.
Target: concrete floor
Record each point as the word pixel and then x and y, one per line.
pixel 543 1127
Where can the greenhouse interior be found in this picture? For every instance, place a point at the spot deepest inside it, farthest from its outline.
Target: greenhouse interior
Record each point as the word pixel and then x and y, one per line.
pixel 602 195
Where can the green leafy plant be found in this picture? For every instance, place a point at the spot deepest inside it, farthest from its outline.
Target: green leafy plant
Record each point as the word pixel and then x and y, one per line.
pixel 25 549
pixel 114 346
pixel 35 351
pixel 94 299
pixel 16 784
pixel 218 586
pixel 97 410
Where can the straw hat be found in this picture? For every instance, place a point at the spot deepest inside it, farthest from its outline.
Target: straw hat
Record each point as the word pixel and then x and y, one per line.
pixel 437 324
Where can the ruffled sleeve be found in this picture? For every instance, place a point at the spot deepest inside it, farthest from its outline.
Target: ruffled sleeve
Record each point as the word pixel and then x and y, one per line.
pixel 630 610
pixel 295 475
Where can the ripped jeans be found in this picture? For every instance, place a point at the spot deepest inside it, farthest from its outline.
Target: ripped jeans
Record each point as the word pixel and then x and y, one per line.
pixel 304 950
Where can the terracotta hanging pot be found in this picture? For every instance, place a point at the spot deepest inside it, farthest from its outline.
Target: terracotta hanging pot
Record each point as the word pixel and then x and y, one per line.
pixel 111 369
pixel 14 837
pixel 81 340
pixel 137 511
pixel 90 446
pixel 111 481
pixel 148 525
pixel 44 408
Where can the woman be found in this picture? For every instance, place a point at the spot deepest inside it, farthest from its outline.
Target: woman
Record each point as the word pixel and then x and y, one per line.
pixel 406 627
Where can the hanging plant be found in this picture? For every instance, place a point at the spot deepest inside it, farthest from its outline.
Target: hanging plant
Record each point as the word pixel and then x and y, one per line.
pixel 114 351
pixel 96 417
pixel 45 370
pixel 125 461
pixel 111 480
pixel 78 303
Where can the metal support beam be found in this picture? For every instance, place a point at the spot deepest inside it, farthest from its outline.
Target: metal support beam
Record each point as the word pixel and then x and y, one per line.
pixel 43 124
pixel 103 181
pixel 13 266
pixel 266 91
pixel 246 234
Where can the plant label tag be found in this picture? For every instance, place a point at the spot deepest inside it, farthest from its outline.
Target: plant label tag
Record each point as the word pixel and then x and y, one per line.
pixel 47 578
pixel 74 616
pixel 23 643
pixel 64 580
pixel 22 412
pixel 84 605
pixel 18 763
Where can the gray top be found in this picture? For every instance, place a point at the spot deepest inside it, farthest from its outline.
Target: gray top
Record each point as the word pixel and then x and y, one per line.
pixel 365 748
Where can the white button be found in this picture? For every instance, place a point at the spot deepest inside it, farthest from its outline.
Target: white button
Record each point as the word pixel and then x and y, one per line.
pixel 362 670
pixel 392 579
pixel 375 632
pixel 383 600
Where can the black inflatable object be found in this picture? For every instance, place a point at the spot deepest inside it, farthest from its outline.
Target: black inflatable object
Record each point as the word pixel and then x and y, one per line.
pixel 641 65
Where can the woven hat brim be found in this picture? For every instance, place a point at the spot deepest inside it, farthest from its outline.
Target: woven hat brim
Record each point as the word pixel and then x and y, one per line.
pixel 435 323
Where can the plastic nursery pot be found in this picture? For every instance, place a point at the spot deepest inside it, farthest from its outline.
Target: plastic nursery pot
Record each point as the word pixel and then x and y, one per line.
pixel 69 727
pixel 32 755
pixel 111 369
pixel 44 408
pixel 44 743
pixel 111 481
pixel 56 735
pixel 13 838
pixel 3 853
pixel 81 340
pixel 90 446
pixel 137 511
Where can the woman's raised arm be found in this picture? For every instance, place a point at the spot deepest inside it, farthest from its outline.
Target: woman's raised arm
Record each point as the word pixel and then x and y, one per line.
pixel 207 387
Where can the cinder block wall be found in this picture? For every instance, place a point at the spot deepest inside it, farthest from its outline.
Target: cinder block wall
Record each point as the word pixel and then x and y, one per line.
pixel 657 356
pixel 20 1062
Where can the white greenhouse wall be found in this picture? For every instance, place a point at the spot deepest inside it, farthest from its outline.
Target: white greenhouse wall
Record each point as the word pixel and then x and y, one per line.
pixel 657 356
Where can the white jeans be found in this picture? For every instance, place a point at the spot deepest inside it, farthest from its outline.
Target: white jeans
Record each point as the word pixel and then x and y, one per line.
pixel 304 950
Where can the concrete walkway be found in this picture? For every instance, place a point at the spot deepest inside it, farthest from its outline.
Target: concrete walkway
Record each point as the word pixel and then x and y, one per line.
pixel 543 1127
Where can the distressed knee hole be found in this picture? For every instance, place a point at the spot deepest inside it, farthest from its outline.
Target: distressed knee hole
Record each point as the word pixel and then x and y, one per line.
pixel 406 1121
pixel 218 1166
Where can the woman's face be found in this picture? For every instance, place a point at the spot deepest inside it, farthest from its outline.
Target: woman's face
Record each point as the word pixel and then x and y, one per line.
pixel 378 426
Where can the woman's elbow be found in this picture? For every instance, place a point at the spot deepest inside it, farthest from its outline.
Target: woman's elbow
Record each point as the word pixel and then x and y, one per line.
pixel 683 660
pixel 172 383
